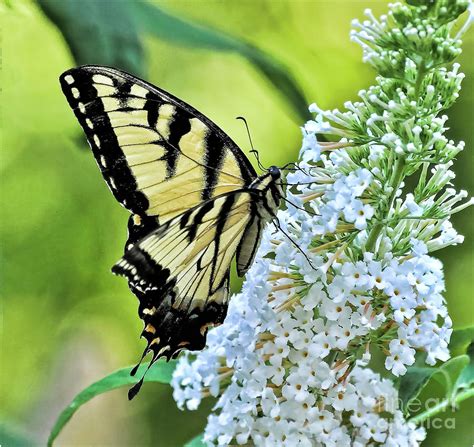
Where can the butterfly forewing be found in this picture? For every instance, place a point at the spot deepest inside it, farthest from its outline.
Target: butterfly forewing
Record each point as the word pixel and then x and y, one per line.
pixel 158 155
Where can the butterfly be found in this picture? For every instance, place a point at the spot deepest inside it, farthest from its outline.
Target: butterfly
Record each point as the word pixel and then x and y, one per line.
pixel 195 201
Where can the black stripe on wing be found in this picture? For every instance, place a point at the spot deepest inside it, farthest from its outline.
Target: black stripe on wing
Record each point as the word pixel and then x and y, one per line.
pixel 179 127
pixel 247 170
pixel 221 221
pixel 213 160
pixel 82 96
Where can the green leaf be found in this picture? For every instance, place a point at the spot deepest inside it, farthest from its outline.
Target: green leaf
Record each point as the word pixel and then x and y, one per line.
pixel 196 442
pixel 453 374
pixel 460 340
pixel 448 373
pixel 457 375
pixel 165 26
pixel 156 21
pixel 466 378
pixel 11 436
pixel 98 33
pixel 411 384
pixel 161 372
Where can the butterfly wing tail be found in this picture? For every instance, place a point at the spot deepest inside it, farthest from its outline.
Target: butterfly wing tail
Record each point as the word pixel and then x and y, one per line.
pixel 168 328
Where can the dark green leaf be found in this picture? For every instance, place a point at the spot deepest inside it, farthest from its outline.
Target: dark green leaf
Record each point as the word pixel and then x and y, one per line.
pixel 165 26
pixel 160 372
pixel 156 21
pixel 282 80
pixel 456 372
pixel 196 442
pixel 411 384
pixel 460 340
pixel 98 32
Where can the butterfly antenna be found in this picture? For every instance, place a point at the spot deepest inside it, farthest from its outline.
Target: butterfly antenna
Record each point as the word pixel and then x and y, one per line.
pixel 298 207
pixel 296 184
pixel 295 167
pixel 277 224
pixel 253 151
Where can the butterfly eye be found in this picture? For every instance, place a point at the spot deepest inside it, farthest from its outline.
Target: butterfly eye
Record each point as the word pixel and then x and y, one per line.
pixel 274 172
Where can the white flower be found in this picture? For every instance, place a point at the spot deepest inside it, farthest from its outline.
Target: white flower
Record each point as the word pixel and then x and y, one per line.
pixel 339 290
pixel 343 398
pixel 334 311
pixel 419 247
pixel 414 209
pixel 277 350
pixel 322 421
pixel 269 403
pixel 313 297
pixel 374 428
pixel 400 356
pixel 311 150
pixel 295 388
pixel 321 345
pixel 358 213
pixel 404 307
pixel 354 275
pixel 344 332
pixel 358 181
pixel 379 277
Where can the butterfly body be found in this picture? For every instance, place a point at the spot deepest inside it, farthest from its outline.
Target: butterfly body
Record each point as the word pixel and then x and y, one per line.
pixel 195 201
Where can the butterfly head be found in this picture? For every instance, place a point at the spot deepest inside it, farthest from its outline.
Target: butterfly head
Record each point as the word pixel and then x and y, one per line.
pixel 275 186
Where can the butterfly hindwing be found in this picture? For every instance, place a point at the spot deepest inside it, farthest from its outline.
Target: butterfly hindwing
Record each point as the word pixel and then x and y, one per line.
pixel 158 155
pixel 248 246
pixel 180 272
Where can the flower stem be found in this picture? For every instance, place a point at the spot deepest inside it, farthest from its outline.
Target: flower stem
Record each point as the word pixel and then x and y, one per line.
pixel 395 181
pixel 419 78
pixel 463 395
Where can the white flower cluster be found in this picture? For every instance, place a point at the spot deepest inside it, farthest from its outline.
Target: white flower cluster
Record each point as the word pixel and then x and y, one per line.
pixel 387 40
pixel 340 201
pixel 284 384
pixel 350 272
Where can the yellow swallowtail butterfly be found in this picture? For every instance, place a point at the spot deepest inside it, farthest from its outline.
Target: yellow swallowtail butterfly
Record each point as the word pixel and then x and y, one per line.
pixel 195 199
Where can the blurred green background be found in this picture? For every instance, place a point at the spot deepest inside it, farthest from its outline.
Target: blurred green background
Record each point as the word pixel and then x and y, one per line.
pixel 66 320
